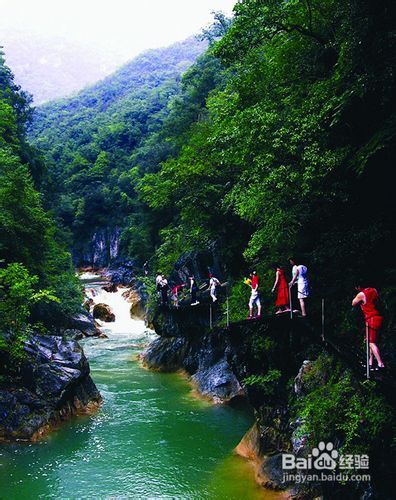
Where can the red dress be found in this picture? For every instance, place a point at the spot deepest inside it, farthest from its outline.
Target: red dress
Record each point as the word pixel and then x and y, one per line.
pixel 372 316
pixel 282 298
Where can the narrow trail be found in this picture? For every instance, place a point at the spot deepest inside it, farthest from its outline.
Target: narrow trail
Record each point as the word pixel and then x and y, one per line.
pixel 350 355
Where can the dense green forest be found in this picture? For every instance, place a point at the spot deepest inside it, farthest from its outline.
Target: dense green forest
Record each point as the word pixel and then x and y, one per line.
pixel 94 141
pixel 38 288
pixel 279 141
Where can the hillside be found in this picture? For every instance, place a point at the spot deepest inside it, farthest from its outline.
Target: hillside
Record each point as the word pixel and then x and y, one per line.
pixel 52 67
pixel 88 141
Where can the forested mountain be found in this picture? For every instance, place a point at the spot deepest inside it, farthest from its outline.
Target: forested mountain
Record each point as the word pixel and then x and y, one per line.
pixel 53 67
pixel 279 141
pixel 38 288
pixel 90 141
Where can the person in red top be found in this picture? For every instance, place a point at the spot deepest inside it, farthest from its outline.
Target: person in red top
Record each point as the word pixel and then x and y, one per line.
pixel 254 279
pixel 368 300
pixel 254 296
pixel 282 298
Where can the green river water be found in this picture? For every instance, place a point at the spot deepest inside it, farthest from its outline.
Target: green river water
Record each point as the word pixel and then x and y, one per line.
pixel 150 439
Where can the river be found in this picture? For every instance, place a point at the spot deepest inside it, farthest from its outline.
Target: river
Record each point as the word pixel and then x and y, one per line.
pixel 150 439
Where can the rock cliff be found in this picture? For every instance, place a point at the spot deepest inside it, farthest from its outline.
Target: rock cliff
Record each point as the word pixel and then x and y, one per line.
pixel 52 385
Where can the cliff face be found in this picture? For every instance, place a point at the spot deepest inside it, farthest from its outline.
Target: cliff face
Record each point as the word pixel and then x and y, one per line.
pixel 54 383
pixel 223 363
pixel 100 250
pixel 244 348
pixel 297 389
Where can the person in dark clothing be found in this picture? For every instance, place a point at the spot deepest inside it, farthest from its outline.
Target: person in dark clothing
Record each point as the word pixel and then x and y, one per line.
pixel 193 290
pixel 164 287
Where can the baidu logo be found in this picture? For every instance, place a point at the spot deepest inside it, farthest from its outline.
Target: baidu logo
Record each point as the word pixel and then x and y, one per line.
pixel 325 456
pixel 332 465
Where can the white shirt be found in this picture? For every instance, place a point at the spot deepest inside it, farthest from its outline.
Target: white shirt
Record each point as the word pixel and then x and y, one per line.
pixel 213 283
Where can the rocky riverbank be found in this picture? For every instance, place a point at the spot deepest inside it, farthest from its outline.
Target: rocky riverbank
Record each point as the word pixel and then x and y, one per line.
pixel 52 385
pixel 295 386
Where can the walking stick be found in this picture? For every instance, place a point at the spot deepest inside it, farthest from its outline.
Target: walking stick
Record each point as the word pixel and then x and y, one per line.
pixel 290 302
pixel 367 353
pixel 210 316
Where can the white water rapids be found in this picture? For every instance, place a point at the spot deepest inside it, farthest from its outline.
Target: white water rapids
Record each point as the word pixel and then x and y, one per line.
pixel 124 328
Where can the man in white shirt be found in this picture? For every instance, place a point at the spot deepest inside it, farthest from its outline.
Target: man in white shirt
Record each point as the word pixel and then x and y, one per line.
pixel 213 283
pixel 299 274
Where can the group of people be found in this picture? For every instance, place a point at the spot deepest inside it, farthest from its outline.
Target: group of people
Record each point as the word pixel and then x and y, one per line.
pixel 366 298
pixel 283 300
pixel 163 289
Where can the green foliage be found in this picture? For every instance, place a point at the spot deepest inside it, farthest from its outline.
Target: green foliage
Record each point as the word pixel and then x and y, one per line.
pixel 268 383
pixel 36 274
pixel 283 146
pixel 238 301
pixel 336 405
pixel 18 295
pixel 99 143
pixel 285 121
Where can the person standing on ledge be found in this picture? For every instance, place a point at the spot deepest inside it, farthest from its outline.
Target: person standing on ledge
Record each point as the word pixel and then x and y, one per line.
pixel 164 287
pixel 193 290
pixel 213 284
pixel 282 298
pixel 299 273
pixel 254 297
pixel 368 300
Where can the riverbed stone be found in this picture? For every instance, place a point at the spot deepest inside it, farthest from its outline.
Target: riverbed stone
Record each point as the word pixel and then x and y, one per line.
pixel 103 312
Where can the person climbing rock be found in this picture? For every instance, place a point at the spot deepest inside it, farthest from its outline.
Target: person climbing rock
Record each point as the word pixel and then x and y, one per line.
pixel 213 284
pixel 282 298
pixel 193 290
pixel 254 296
pixel 299 274
pixel 369 302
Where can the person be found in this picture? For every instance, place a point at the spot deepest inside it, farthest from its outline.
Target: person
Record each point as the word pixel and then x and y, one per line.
pixel 254 296
pixel 282 298
pixel 158 280
pixel 299 274
pixel 368 300
pixel 164 287
pixel 175 294
pixel 213 283
pixel 193 290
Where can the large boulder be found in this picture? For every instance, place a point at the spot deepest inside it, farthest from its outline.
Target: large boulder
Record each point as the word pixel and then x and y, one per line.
pixel 137 304
pixel 103 312
pixel 55 384
pixel 85 323
pixel 218 382
pixel 165 354
pixel 206 361
pixel 111 288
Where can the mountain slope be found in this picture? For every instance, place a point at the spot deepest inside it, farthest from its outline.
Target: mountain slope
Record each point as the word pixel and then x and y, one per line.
pixel 89 141
pixel 50 68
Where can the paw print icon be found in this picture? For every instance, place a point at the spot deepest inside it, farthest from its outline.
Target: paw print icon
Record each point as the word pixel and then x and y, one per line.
pixel 325 456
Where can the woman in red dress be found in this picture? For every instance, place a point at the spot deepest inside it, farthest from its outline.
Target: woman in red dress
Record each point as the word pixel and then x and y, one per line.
pixel 368 300
pixel 282 298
